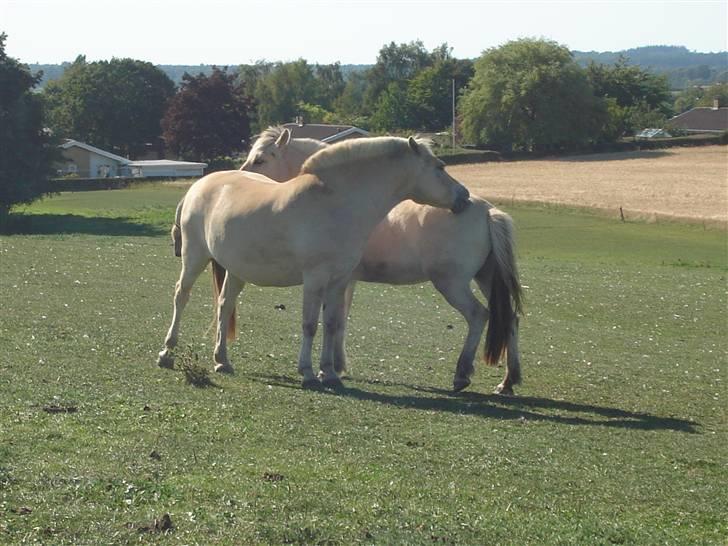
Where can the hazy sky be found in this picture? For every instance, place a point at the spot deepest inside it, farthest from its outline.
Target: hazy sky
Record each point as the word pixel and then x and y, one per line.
pixel 227 32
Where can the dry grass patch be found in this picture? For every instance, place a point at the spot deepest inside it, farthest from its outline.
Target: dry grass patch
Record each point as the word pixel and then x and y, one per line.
pixel 687 183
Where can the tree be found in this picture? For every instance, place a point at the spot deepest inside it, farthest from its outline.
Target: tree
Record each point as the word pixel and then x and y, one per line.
pixel 530 95
pixel 393 110
pixel 411 88
pixel 279 92
pixel 26 150
pixel 396 63
pixel 116 105
pixel 702 96
pixel 638 96
pixel 430 93
pixel 208 117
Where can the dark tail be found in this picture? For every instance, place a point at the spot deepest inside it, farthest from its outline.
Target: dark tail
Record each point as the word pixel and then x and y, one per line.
pixel 504 291
pixel 177 230
pixel 218 277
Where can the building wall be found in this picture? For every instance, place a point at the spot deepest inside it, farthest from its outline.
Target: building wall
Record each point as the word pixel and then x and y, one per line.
pixel 80 158
pixel 89 164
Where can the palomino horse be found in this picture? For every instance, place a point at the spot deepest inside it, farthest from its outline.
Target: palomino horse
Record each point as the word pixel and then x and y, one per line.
pixel 310 230
pixel 417 243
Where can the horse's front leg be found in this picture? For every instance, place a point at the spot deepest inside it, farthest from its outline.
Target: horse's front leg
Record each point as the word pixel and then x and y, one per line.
pixel 231 287
pixel 340 360
pixel 192 266
pixel 312 297
pixel 334 319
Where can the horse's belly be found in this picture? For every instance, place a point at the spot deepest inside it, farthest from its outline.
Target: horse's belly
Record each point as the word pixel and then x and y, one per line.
pixel 265 276
pixel 399 265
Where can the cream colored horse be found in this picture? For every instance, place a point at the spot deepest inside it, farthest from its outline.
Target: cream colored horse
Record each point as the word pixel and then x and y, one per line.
pixel 310 230
pixel 417 243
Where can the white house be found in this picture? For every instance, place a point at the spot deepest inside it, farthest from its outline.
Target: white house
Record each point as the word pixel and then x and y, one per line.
pixel 87 161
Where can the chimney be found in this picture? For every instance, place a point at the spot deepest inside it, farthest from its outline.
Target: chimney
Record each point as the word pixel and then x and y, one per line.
pixel 716 104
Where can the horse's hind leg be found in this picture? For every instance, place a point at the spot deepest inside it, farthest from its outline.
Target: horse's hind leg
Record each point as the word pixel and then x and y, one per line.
pixel 457 292
pixel 191 268
pixel 231 287
pixel 513 362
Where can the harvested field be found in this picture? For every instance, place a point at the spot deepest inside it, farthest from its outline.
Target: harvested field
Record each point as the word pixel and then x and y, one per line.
pixel 685 183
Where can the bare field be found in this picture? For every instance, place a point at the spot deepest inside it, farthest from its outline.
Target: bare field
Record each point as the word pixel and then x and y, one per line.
pixel 685 183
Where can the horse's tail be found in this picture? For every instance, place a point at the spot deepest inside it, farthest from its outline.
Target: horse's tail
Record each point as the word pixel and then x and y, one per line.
pixel 504 292
pixel 218 277
pixel 177 230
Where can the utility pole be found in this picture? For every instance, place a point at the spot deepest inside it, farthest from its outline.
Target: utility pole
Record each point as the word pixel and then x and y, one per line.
pixel 453 113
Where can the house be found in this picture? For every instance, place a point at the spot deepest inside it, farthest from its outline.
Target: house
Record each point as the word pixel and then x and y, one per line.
pixel 323 132
pixel 87 161
pixel 653 133
pixel 702 119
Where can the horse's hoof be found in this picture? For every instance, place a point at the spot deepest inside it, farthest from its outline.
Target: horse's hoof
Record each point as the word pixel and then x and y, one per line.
pixel 332 383
pixel 165 361
pixel 311 383
pixel 460 384
pixel 504 390
pixel 224 368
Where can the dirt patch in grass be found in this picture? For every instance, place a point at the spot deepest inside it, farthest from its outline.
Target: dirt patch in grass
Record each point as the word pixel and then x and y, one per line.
pixel 681 183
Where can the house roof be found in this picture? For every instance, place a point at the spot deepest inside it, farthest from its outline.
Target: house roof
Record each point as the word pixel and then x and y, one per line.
pixel 702 119
pixel 323 132
pixel 70 143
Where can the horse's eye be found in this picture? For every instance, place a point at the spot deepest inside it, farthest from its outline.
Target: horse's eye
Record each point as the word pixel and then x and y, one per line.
pixel 258 161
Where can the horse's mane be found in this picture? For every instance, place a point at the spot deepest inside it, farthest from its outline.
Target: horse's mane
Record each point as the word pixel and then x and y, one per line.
pixel 359 149
pixel 270 135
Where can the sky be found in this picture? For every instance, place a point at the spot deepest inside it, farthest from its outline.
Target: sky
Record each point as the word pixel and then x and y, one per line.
pixel 227 32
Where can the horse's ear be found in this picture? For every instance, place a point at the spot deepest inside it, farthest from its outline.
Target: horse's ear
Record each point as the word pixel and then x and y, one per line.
pixel 284 139
pixel 413 144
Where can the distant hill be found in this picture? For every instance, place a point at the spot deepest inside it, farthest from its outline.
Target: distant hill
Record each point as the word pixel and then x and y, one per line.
pixel 682 66
pixel 174 71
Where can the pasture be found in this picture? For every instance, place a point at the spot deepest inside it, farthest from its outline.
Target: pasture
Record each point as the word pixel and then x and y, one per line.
pixel 617 435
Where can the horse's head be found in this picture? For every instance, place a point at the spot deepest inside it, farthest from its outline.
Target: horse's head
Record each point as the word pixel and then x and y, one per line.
pixel 278 156
pixel 432 185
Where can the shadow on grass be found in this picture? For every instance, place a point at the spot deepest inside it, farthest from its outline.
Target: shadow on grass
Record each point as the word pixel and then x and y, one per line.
pixel 52 224
pixel 617 156
pixel 495 406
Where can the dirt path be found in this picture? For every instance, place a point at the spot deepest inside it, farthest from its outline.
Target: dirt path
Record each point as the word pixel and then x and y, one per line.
pixel 690 183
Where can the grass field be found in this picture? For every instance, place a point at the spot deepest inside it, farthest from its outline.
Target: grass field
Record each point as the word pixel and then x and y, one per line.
pixel 617 436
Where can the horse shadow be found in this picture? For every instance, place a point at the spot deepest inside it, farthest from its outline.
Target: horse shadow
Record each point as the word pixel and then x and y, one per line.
pixel 494 406
pixel 54 224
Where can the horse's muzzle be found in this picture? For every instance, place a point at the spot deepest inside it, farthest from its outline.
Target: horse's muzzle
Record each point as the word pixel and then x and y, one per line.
pixel 462 201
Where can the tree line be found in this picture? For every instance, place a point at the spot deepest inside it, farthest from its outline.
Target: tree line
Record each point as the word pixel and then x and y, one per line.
pixel 528 94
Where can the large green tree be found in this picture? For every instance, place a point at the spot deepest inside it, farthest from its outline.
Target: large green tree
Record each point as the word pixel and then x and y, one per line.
pixel 116 105
pixel 208 117
pixel 637 98
pixel 26 150
pixel 281 89
pixel 530 95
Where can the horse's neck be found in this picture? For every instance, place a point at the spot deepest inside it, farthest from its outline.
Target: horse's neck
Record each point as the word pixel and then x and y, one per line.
pixel 370 190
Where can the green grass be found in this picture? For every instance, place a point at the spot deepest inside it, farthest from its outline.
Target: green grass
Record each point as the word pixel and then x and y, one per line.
pixel 617 436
